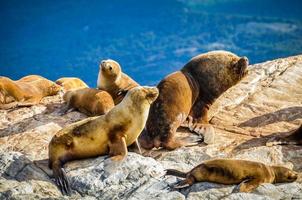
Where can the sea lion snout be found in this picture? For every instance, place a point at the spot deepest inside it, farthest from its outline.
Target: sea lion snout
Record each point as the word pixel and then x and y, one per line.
pixel 105 65
pixel 241 66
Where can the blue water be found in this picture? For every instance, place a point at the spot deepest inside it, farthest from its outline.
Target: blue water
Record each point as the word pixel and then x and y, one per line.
pixel 148 38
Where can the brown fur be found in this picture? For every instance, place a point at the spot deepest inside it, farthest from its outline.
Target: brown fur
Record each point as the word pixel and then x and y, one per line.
pixel 107 134
pixel 295 138
pixel 27 91
pixel 186 95
pixel 248 174
pixel 113 80
pixel 71 83
pixel 89 101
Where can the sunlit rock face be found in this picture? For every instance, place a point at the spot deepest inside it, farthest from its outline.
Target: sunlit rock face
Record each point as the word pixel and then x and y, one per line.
pixel 266 103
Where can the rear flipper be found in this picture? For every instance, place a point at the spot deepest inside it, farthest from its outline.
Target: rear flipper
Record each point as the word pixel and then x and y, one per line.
pixel 181 184
pixel 61 179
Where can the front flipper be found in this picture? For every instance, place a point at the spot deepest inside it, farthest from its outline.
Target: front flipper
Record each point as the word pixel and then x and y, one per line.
pixel 118 149
pixel 249 185
pixel 204 129
pixel 135 147
pixel 61 178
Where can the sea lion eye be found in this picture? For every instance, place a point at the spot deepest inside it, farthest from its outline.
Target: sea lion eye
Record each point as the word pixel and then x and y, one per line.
pixel 110 68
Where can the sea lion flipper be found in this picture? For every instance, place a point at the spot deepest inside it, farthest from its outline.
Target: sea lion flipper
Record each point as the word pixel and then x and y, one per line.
pixel 206 130
pixel 249 185
pixel 118 149
pixel 61 179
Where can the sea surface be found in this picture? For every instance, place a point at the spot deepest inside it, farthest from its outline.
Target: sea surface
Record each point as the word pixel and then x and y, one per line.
pixel 149 38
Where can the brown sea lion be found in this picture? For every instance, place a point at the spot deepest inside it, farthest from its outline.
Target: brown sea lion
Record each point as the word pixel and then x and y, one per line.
pixel 113 80
pixel 295 138
pixel 71 83
pixel 107 134
pixel 186 95
pixel 27 91
pixel 246 173
pixel 89 101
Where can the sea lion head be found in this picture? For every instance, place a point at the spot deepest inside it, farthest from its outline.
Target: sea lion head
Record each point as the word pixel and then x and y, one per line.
pixel 283 174
pixel 51 88
pixel 238 68
pixel 142 95
pixel 216 71
pixel 110 69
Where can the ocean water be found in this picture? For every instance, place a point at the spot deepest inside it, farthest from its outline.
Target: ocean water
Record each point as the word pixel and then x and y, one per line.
pixel 150 39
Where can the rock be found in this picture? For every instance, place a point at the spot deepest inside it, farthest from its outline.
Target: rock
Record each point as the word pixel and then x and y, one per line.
pixel 266 103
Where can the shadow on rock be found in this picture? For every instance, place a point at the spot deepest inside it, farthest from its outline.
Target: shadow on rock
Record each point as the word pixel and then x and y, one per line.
pixel 287 114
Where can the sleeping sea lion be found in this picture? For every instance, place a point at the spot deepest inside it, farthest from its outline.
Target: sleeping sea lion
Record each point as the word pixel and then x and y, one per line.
pixel 248 174
pixel 89 101
pixel 71 83
pixel 27 91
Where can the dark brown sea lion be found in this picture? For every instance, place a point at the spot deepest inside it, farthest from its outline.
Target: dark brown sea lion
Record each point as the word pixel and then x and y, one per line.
pixel 27 91
pixel 113 80
pixel 186 95
pixel 71 83
pixel 89 101
pixel 294 138
pixel 107 134
pixel 246 173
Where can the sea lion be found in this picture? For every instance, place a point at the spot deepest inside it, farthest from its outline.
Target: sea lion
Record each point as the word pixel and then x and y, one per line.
pixel 106 134
pixel 295 138
pixel 71 83
pixel 26 91
pixel 185 97
pixel 248 174
pixel 89 101
pixel 113 80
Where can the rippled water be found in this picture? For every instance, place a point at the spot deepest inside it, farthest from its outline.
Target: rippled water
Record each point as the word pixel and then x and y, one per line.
pixel 148 38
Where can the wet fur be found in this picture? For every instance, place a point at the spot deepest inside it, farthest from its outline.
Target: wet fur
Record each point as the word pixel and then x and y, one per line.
pixel 248 174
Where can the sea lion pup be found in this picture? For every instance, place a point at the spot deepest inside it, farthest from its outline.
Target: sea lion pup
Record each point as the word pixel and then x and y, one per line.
pixel 294 138
pixel 107 134
pixel 186 95
pixel 248 174
pixel 26 91
pixel 113 80
pixel 89 101
pixel 71 83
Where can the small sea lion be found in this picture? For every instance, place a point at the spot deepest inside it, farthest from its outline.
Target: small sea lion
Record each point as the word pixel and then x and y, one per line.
pixel 295 138
pixel 106 134
pixel 26 91
pixel 89 101
pixel 113 80
pixel 71 83
pixel 185 97
pixel 248 174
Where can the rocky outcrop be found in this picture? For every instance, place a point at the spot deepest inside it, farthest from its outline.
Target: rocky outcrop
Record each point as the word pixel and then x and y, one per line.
pixel 266 103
